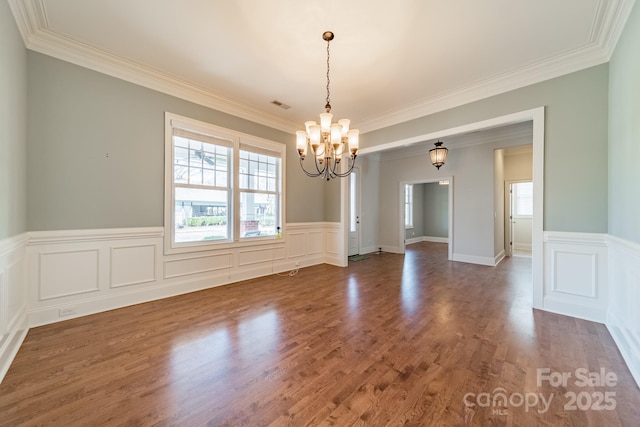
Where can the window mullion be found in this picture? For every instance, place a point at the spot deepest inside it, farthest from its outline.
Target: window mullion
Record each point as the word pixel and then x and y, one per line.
pixel 236 190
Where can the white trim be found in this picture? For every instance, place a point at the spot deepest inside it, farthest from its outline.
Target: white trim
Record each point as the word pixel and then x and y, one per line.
pixel 13 243
pixel 623 315
pixel 473 259
pixel 419 239
pixel 536 116
pixel 13 300
pixel 576 274
pixel 573 238
pixel 13 340
pixel 627 342
pixel 499 257
pixel 233 188
pixel 31 20
pixel 92 235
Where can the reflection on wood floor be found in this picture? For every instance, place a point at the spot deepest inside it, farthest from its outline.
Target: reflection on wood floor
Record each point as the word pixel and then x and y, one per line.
pixel 390 340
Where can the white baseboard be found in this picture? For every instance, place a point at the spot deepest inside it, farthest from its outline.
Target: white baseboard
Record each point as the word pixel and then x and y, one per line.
pixel 472 259
pixel 628 342
pixel 392 249
pixel 623 321
pixel 522 246
pixel 426 239
pixel 435 239
pixel 369 249
pixel 13 302
pixel 499 257
pixel 580 310
pixel 11 342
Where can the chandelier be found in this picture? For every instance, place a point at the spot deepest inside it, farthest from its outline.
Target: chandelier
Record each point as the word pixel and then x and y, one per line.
pixel 438 155
pixel 329 142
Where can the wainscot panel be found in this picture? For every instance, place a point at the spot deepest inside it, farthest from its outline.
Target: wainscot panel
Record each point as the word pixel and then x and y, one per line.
pixel 13 301
pixel 80 272
pixel 575 277
pixel 623 319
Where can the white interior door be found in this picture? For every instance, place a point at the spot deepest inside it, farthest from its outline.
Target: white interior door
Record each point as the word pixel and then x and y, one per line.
pixel 354 212
pixel 520 216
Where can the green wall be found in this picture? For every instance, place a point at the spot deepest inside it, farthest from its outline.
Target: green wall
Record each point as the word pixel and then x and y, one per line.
pixel 624 133
pixel 96 151
pixel 13 127
pixel 575 184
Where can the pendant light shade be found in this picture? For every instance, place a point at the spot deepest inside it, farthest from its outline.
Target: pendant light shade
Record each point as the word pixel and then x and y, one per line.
pixel 438 155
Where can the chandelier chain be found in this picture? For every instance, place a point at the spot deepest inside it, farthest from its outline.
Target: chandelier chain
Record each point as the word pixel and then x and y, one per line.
pixel 328 106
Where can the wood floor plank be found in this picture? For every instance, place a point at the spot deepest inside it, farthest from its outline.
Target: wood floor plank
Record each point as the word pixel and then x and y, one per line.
pixel 410 340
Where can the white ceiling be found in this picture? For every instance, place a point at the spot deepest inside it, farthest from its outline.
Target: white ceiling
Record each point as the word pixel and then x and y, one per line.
pixel 390 61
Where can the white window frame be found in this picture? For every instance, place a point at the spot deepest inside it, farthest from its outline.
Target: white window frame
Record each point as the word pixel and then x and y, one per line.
pixel 233 208
pixel 408 206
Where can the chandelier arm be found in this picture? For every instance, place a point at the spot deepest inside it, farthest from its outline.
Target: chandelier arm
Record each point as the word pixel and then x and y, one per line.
pixel 309 174
pixel 352 163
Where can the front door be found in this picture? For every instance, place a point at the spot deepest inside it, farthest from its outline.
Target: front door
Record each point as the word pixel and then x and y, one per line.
pixel 354 212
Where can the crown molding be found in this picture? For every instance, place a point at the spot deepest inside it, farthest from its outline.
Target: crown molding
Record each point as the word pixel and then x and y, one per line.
pixel 609 22
pixel 31 19
pixel 605 32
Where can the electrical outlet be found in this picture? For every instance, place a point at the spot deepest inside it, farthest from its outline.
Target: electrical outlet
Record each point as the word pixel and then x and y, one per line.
pixel 66 311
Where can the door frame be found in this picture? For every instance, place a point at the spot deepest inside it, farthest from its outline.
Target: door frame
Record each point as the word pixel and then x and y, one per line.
pixel 536 116
pixel 356 170
pixel 508 207
pixel 402 233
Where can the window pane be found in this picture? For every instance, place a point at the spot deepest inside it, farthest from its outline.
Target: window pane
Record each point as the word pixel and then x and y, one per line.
pixel 181 156
pixel 523 193
pixel 221 179
pixel 179 141
pixel 258 214
pixel 200 214
pixel 208 177
pixel 352 202
pixel 408 205
pixel 180 174
pixel 195 176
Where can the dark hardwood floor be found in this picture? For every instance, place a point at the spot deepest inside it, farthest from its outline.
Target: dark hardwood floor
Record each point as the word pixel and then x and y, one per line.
pixel 390 340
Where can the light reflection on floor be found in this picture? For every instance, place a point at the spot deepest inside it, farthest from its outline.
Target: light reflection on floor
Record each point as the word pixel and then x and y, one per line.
pixel 245 342
pixel 410 285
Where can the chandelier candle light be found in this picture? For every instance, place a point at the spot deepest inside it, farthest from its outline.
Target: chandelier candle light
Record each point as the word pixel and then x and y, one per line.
pixel 329 141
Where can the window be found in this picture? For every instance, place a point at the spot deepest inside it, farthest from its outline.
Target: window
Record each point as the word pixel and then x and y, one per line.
pixel 408 205
pixel 259 191
pixel 523 198
pixel 221 186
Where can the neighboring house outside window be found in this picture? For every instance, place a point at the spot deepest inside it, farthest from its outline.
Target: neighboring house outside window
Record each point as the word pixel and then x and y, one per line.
pixel 221 186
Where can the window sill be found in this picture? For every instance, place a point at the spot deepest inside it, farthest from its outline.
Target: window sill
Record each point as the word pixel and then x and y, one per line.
pixel 222 245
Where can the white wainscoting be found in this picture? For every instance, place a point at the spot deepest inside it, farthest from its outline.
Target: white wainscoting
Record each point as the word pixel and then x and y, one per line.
pixel 623 319
pixel 13 302
pixel 575 274
pixel 80 272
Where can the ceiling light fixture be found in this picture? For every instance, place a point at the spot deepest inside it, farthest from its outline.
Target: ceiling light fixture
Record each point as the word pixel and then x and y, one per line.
pixel 438 155
pixel 328 141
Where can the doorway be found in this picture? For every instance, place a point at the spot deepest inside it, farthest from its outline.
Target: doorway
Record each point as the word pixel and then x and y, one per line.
pixel 415 197
pixel 354 212
pixel 518 230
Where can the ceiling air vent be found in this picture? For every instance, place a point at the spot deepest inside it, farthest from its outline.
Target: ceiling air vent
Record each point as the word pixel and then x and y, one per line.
pixel 280 104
